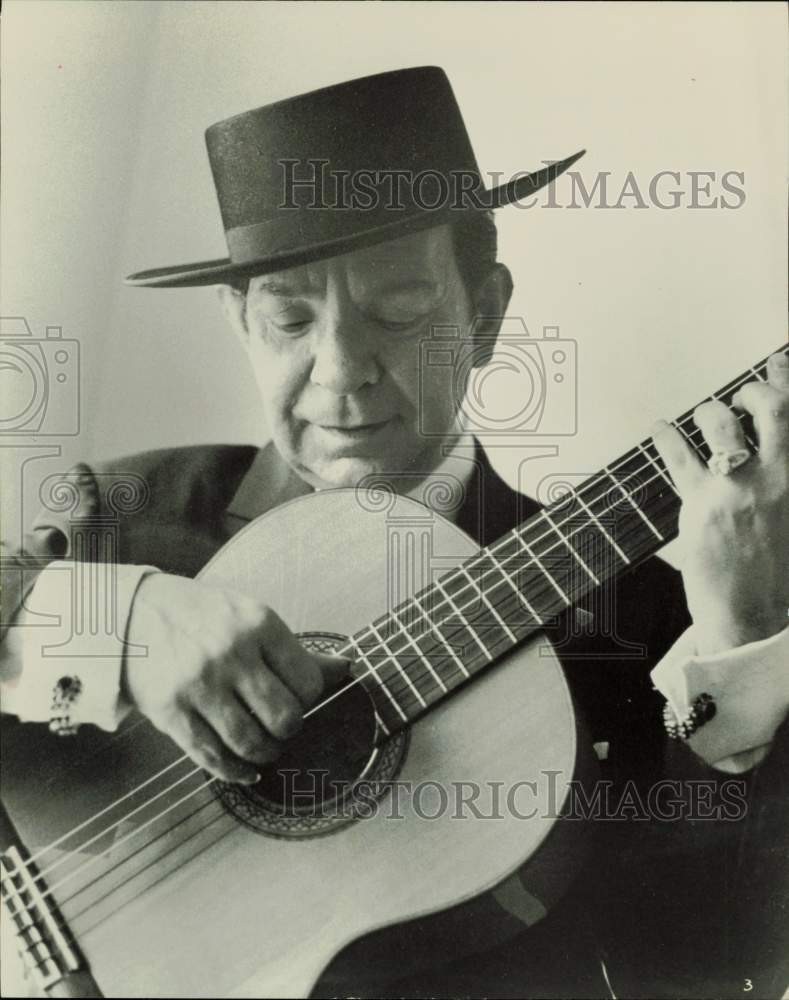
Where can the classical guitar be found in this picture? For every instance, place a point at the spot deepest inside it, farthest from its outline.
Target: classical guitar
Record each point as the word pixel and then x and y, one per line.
pixel 127 871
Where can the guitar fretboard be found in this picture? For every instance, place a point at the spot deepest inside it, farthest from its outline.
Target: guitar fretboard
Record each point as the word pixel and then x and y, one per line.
pixel 427 646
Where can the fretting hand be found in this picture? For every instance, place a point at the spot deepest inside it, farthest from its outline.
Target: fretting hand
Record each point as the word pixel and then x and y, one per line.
pixel 734 527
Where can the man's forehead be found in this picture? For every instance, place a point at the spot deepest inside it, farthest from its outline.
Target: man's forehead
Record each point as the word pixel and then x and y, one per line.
pixel 414 259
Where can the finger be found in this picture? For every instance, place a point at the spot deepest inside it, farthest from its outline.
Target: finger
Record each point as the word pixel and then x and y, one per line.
pixel 770 410
pixel 243 731
pixel 306 674
pixel 778 371
pixel 720 427
pixel 269 699
pixel 199 739
pixel 681 461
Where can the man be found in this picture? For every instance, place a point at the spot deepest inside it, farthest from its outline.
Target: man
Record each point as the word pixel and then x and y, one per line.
pixel 331 295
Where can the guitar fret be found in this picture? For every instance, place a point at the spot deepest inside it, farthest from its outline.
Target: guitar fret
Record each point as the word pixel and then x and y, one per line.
pixel 447 667
pixel 372 671
pixel 528 578
pixel 399 668
pixel 439 605
pixel 442 638
pixel 571 548
pixel 634 505
pixel 538 619
pixel 545 572
pixel 419 652
pixel 601 528
pixel 468 596
pixel 656 466
pixel 481 593
pixel 662 507
pixel 462 617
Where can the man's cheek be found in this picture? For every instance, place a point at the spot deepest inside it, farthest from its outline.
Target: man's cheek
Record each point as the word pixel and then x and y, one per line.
pixel 278 377
pixel 441 397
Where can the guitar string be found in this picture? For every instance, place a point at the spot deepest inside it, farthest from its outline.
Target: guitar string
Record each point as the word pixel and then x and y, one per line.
pixel 310 712
pixel 125 860
pixel 91 861
pixel 128 836
pixel 682 421
pixel 98 836
pixel 148 803
pixel 232 826
pixel 228 828
pixel 137 873
pixel 394 652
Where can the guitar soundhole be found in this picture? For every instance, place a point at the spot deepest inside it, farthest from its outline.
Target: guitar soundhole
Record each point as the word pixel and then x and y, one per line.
pixel 331 774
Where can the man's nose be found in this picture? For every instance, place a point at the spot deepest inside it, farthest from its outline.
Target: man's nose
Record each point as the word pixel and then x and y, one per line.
pixel 344 359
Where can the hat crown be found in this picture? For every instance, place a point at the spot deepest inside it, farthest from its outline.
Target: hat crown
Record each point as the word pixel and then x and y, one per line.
pixel 404 120
pixel 339 169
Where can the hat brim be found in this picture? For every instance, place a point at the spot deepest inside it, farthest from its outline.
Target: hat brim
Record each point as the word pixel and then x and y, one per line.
pixel 224 270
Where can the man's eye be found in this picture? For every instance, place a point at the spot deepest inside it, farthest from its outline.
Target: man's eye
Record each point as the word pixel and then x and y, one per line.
pixel 293 325
pixel 396 325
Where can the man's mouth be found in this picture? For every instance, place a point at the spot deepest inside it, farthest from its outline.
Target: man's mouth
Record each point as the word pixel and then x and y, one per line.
pixel 354 431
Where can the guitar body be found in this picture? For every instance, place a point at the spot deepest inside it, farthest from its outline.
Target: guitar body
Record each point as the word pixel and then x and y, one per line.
pixel 185 897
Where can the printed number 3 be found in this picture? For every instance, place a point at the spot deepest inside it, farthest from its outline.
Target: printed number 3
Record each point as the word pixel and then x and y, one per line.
pixel 748 986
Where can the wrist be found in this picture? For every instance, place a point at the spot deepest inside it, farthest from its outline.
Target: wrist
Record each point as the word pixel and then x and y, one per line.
pixel 132 647
pixel 713 638
pixel 713 642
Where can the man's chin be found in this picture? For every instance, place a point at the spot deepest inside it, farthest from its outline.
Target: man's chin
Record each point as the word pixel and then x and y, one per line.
pixel 341 472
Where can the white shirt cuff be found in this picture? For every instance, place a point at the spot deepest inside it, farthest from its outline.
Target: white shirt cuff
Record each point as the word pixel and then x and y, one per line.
pixel 73 624
pixel 750 685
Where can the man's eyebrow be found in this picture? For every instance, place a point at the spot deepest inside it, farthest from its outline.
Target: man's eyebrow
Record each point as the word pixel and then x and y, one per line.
pixel 276 286
pixel 284 289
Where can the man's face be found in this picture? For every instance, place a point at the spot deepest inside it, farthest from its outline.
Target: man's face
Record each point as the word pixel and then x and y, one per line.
pixel 335 350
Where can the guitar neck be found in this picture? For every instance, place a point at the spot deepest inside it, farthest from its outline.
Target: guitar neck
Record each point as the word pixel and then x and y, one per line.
pixel 426 647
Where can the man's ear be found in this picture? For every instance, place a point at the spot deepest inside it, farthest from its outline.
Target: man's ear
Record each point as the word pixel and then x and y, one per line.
pixel 489 309
pixel 233 304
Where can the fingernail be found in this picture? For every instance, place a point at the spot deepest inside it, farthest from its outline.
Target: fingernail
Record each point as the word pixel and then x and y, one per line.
pixel 780 360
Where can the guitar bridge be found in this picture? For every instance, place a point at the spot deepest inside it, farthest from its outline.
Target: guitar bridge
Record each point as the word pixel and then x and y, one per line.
pixel 43 943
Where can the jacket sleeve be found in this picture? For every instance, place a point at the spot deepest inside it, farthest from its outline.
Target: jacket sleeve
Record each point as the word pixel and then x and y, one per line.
pixel 66 604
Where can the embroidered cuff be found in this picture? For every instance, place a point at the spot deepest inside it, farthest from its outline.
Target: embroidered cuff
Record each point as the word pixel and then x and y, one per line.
pixel 71 636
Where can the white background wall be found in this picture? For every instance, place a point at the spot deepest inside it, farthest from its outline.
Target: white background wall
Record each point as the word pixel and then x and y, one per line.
pixel 104 173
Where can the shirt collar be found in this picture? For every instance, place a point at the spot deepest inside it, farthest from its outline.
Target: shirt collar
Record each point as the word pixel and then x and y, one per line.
pixel 270 481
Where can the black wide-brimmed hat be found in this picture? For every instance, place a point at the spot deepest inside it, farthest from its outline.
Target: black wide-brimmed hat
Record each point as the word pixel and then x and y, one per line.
pixel 342 168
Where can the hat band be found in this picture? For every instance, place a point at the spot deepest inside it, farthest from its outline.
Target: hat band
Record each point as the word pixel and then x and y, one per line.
pixel 307 228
